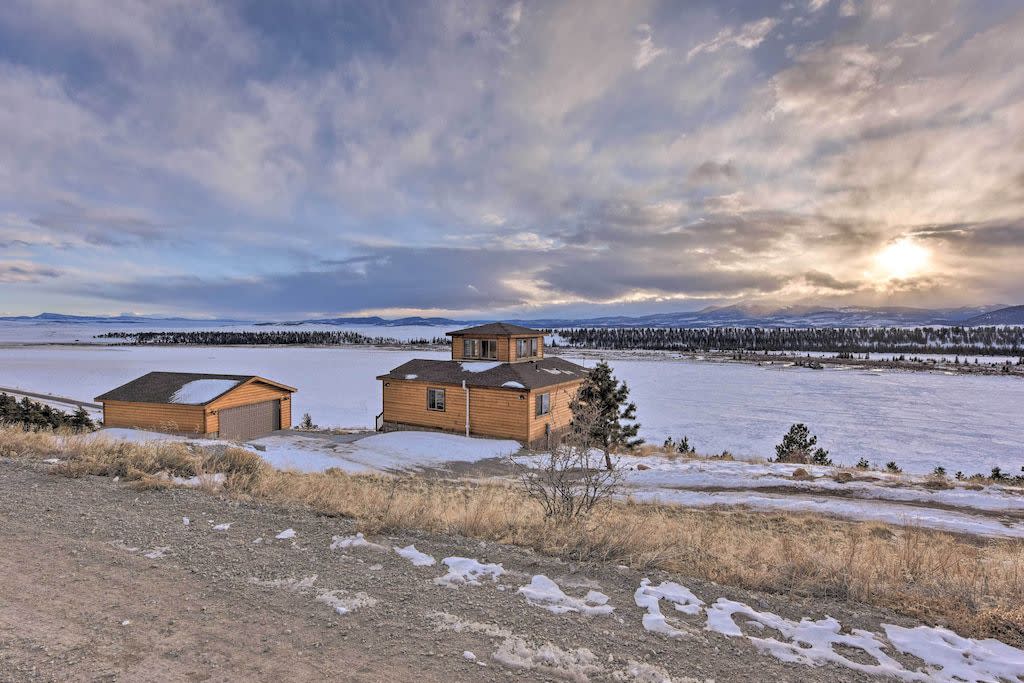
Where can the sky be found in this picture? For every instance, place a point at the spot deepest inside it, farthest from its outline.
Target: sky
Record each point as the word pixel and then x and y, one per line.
pixel 509 159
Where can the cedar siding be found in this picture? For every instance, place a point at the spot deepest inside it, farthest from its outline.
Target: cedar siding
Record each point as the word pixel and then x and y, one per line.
pixel 560 415
pixel 163 417
pixel 501 413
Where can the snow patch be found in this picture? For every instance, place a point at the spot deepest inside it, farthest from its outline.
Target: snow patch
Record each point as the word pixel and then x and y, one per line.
pixel 343 602
pixel 411 376
pixel 357 541
pixel 417 558
pixel 808 642
pixel 648 597
pixel 286 534
pixel 545 593
pixel 201 391
pixel 479 367
pixel 211 481
pixel 574 665
pixel 952 658
pixel 289 583
pixel 185 521
pixel 157 553
pixel 512 384
pixel 467 571
pixel 222 527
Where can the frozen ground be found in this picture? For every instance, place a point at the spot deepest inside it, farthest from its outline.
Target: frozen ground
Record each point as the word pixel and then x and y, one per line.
pixel 904 500
pixel 920 420
pixel 281 609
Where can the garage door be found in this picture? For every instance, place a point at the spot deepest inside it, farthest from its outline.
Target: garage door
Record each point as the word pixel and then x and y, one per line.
pixel 248 422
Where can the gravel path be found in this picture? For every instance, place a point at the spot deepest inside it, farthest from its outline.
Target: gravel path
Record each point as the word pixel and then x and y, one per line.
pixel 80 600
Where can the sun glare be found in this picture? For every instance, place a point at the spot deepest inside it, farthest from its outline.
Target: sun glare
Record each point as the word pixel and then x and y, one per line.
pixel 901 260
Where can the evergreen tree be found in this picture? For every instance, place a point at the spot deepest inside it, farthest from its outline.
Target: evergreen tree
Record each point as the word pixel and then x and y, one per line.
pixel 614 426
pixel 81 421
pixel 798 445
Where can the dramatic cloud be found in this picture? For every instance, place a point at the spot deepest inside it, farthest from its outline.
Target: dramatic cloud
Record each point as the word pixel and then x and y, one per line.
pixel 507 157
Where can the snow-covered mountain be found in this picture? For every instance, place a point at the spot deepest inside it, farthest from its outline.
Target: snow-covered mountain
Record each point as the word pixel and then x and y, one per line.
pixel 737 315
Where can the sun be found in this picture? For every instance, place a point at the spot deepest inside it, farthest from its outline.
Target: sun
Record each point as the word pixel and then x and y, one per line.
pixel 902 259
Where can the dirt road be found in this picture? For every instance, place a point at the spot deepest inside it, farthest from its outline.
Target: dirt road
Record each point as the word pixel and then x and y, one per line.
pixel 79 600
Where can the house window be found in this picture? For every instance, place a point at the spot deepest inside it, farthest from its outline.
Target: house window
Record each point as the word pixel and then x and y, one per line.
pixel 435 399
pixel 543 404
pixel 526 348
pixel 479 348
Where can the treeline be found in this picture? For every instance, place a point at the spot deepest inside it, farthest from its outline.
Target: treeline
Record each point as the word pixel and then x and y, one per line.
pixel 252 338
pixel 39 415
pixel 955 340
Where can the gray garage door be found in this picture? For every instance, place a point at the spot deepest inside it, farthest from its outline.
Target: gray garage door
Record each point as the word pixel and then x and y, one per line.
pixel 248 422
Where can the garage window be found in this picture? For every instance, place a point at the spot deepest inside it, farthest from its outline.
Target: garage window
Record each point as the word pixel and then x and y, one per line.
pixel 435 399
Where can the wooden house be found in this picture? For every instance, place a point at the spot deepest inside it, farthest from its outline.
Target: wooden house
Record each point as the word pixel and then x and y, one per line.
pixel 498 383
pixel 237 407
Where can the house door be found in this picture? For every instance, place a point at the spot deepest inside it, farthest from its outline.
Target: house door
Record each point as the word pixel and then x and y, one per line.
pixel 251 421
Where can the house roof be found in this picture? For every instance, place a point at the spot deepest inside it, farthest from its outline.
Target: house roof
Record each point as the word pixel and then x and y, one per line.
pixel 184 388
pixel 527 375
pixel 499 329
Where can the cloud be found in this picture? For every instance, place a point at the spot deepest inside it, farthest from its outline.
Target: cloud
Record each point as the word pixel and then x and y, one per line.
pixel 709 172
pixel 18 272
pixel 816 278
pixel 645 51
pixel 534 154
pixel 748 36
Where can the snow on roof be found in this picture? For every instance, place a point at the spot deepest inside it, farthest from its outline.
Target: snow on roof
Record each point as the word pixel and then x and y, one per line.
pixel 480 367
pixel 512 384
pixel 201 391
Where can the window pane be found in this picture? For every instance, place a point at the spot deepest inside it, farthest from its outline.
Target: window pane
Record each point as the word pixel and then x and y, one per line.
pixel 543 404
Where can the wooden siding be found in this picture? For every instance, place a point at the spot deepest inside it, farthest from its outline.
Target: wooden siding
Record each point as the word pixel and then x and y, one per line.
pixel 164 417
pixel 506 346
pixel 514 356
pixel 560 414
pixel 501 413
pixel 253 391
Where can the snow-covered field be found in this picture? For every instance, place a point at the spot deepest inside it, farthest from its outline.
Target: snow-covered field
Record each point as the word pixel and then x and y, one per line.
pixel 391 451
pixel 920 420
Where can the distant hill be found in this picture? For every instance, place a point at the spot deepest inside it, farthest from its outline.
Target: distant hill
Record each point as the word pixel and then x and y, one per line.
pixel 114 319
pixel 737 315
pixel 1011 315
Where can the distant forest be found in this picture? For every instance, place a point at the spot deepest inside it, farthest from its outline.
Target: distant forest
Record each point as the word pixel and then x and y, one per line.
pixel 1008 341
pixel 294 338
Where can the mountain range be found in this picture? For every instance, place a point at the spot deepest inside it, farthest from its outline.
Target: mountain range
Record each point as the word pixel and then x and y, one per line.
pixel 737 315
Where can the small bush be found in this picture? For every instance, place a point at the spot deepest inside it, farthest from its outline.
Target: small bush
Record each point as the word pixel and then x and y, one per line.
pixel 863 464
pixel 892 467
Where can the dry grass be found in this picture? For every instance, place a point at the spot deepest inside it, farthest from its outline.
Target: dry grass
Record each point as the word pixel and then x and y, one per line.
pixel 974 586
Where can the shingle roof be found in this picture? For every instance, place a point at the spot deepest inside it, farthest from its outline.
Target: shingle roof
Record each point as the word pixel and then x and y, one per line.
pixel 499 329
pixel 161 387
pixel 530 375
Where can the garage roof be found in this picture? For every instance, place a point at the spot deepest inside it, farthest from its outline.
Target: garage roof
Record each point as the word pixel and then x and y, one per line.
pixel 183 388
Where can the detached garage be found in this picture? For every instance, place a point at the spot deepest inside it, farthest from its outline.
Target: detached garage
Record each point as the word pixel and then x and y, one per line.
pixel 236 407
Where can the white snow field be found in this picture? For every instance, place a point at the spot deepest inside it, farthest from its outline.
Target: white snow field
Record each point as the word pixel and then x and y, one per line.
pixel 379 452
pixel 918 419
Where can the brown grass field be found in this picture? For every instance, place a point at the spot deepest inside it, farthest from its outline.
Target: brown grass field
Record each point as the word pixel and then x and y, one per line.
pixel 972 585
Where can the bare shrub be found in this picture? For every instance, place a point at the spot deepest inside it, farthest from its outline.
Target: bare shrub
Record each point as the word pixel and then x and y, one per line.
pixel 570 481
